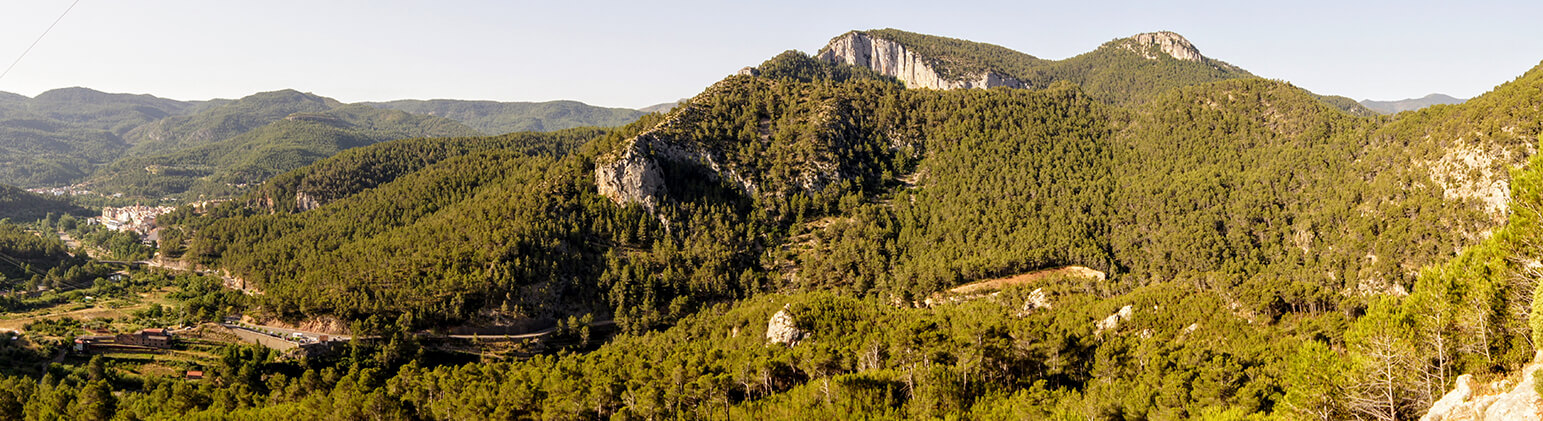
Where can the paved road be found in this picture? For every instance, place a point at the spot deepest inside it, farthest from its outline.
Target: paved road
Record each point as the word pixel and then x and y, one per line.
pixel 285 332
pixel 535 334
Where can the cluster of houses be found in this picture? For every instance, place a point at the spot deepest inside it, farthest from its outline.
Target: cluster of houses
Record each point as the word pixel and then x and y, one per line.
pixel 136 218
pixel 62 191
pixel 143 339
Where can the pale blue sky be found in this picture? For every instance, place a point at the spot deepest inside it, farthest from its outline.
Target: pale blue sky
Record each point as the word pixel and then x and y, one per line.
pixel 638 53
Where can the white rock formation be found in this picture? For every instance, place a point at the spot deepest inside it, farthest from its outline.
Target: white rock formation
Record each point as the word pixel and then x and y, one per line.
pixel 637 175
pixel 632 177
pixel 889 58
pixel 781 329
pixel 1520 403
pixel 1113 321
pixel 1443 408
pixel 1037 300
pixel 1167 42
pixel 1470 172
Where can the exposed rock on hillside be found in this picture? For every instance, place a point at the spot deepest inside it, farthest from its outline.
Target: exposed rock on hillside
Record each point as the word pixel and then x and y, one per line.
pixel 305 202
pixel 1462 403
pixel 1113 321
pixel 889 58
pixel 1037 300
pixel 632 177
pixel 1167 42
pixel 1470 172
pixel 675 156
pixel 781 329
pixel 637 173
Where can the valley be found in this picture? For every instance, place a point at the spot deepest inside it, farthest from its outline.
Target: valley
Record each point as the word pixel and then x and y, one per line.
pixel 895 226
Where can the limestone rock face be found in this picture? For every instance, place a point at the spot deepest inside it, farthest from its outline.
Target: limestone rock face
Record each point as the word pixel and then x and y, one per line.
pixel 1167 42
pixel 1461 404
pixel 781 329
pixel 889 58
pixel 632 177
pixel 635 174
pixel 1443 408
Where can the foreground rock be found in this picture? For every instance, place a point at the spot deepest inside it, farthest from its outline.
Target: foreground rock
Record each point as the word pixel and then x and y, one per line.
pixel 1461 404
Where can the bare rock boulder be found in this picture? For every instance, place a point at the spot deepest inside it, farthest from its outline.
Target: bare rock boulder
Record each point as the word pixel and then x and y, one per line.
pixel 782 329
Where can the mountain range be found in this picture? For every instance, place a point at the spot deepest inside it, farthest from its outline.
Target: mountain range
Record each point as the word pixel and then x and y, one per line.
pixel 153 147
pixel 896 226
pixel 1395 107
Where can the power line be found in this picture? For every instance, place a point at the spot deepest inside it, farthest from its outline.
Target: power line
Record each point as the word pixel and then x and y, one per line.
pixel 40 39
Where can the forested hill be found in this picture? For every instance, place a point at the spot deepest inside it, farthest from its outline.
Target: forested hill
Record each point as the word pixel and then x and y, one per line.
pixel 152 147
pixel 490 117
pixel 223 121
pixel 226 167
pixel 1234 183
pixel 22 206
pixel 1259 251
pixel 1122 71
pixel 63 134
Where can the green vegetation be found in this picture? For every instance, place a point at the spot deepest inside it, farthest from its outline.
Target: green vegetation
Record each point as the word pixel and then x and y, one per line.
pixel 226 167
pixel 151 148
pixel 23 206
pixel 62 135
pixel 30 262
pixel 1269 253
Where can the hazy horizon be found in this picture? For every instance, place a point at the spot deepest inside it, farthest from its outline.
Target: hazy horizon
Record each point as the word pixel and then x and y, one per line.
pixel 635 55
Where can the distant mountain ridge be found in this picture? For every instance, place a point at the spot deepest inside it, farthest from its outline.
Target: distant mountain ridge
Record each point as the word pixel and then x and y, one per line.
pixel 1395 107
pixel 1124 70
pixel 493 118
pixel 65 136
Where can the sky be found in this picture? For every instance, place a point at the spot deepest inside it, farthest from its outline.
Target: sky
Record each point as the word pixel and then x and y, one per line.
pixel 639 53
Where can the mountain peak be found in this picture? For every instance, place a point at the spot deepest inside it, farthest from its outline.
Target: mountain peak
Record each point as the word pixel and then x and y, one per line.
pixel 1395 107
pixel 1168 42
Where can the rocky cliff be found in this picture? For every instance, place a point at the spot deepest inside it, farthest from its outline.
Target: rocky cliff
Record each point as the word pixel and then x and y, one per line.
pixel 890 58
pixel 681 156
pixel 1172 44
pixel 636 172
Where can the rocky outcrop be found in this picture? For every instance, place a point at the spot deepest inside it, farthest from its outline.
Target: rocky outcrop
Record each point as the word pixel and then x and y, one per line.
pixel 782 329
pixel 1443 408
pixel 632 177
pixel 890 58
pixel 1113 321
pixel 1472 172
pixel 636 173
pixel 1463 403
pixel 304 202
pixel 1037 300
pixel 1172 44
